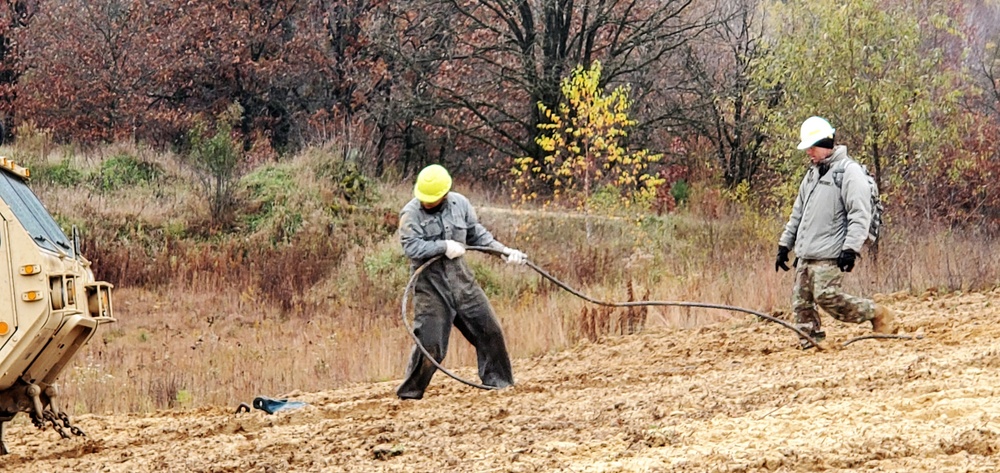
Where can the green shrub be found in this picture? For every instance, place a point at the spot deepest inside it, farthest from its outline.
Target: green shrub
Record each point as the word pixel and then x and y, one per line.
pixel 123 171
pixel 62 174
pixel 387 270
pixel 355 187
pixel 680 191
pixel 267 189
pixel 216 159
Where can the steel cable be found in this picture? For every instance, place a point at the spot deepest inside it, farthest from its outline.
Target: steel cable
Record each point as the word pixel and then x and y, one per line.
pixel 416 273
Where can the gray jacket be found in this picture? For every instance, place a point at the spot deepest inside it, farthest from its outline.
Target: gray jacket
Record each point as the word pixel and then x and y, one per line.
pixel 422 233
pixel 827 219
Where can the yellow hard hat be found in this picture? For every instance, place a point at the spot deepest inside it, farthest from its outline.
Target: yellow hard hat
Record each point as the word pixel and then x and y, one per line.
pixel 813 130
pixel 433 183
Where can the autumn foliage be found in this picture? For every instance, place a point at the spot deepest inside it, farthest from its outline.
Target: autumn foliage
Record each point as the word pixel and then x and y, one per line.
pixel 911 88
pixel 121 70
pixel 584 141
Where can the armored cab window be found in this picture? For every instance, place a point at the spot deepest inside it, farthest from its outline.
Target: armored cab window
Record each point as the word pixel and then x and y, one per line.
pixel 32 214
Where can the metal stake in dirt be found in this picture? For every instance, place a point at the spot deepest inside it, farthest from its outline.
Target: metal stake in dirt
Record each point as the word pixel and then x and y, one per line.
pixel 416 273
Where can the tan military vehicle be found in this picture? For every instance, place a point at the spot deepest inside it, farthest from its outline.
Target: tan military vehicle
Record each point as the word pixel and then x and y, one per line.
pixel 50 304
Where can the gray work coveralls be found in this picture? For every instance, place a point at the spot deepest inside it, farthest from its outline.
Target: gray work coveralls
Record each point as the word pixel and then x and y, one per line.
pixel 826 219
pixel 446 293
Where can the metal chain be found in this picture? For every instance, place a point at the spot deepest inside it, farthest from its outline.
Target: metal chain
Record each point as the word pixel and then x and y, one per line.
pixel 72 428
pixel 53 419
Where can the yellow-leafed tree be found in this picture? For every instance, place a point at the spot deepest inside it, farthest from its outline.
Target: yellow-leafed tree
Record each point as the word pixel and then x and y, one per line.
pixel 586 163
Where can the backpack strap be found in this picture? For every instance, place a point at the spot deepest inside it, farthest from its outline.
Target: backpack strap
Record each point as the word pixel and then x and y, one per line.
pixel 838 172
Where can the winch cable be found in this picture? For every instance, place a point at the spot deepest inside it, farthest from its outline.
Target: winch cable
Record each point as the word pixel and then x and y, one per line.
pixel 416 273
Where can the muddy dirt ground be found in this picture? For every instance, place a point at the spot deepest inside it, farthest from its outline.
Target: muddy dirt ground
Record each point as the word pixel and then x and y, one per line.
pixel 735 396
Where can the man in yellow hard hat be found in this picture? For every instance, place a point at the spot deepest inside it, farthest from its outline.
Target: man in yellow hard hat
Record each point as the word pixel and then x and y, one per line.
pixel 440 222
pixel 827 228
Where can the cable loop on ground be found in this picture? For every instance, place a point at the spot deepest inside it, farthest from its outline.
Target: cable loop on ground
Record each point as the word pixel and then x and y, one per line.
pixel 416 273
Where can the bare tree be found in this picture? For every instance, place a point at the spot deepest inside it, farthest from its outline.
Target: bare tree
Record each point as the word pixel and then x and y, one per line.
pixel 724 103
pixel 497 59
pixel 983 22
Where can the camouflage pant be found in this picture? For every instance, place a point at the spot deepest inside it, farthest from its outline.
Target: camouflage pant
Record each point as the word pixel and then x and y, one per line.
pixel 817 283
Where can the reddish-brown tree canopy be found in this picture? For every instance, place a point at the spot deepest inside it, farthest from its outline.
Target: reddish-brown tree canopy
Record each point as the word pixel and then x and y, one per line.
pixel 453 81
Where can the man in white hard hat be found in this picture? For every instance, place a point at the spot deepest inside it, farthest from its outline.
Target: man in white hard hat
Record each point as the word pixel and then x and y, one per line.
pixel 438 221
pixel 827 228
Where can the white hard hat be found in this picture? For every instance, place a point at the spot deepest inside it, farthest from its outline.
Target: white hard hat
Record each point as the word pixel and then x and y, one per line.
pixel 813 130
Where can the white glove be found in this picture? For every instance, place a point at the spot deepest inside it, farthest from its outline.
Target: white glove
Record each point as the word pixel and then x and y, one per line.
pixel 516 257
pixel 453 249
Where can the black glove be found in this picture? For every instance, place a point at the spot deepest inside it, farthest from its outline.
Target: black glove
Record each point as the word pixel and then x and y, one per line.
pixel 846 260
pixel 782 261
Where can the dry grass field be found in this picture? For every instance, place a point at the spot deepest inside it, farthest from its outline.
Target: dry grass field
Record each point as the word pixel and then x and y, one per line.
pixel 208 341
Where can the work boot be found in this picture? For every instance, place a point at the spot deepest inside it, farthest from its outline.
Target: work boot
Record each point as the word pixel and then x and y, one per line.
pixel 819 336
pixel 884 320
pixel 410 395
pixel 408 391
